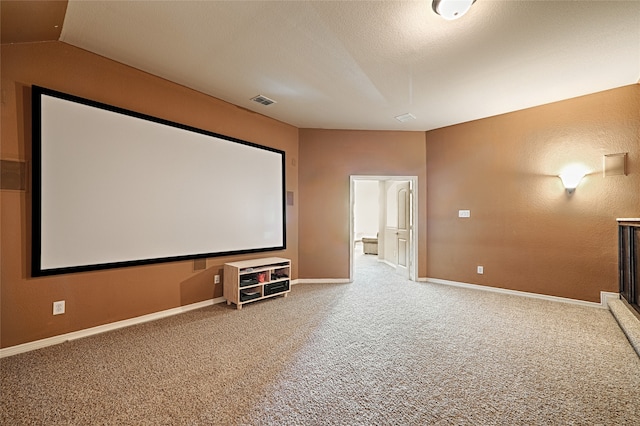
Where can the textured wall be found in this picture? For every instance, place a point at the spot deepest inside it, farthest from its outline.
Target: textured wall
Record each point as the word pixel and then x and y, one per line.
pixel 101 297
pixel 524 229
pixel 327 159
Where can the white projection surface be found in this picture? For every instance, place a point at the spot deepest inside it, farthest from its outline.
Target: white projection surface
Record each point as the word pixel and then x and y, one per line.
pixel 117 189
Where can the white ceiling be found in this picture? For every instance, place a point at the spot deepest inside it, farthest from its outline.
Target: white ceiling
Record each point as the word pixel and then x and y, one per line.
pixel 358 64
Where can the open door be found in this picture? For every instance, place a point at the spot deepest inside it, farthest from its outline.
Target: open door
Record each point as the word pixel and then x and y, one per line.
pixel 403 232
pixel 397 241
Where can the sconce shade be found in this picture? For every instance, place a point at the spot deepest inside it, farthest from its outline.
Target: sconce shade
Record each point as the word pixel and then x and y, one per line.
pixel 451 9
pixel 571 177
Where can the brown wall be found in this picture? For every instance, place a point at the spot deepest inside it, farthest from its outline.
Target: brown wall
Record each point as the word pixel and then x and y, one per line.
pixel 327 159
pixel 102 297
pixel 524 229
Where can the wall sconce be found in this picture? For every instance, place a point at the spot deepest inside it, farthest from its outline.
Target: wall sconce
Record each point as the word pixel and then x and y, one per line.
pixel 571 177
pixel 451 9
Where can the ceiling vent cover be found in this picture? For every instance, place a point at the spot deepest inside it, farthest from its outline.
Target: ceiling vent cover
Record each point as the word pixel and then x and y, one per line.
pixel 263 100
pixel 405 117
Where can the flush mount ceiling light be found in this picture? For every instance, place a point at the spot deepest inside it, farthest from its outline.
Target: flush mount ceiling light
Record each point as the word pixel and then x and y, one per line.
pixel 451 9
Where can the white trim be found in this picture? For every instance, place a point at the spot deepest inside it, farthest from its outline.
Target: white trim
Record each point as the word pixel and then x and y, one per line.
pixel 604 296
pixel 55 340
pixel 323 281
pixel 386 262
pixel 413 267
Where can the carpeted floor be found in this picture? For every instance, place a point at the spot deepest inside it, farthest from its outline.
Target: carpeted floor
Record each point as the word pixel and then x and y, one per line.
pixel 381 350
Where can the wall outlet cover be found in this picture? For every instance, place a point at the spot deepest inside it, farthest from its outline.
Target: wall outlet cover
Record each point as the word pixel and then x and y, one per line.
pixel 58 307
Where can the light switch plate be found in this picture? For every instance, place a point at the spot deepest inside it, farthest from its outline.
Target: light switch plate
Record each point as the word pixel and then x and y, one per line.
pixel 464 213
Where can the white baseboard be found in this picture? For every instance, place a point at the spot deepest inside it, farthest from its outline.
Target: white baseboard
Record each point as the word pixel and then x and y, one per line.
pixel 55 340
pixel 604 296
pixel 322 281
pixel 385 261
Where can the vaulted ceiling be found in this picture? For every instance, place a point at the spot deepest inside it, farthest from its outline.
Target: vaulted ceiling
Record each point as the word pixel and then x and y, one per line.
pixel 356 64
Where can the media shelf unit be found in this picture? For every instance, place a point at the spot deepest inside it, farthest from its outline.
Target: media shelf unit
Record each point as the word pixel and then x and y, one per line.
pixel 256 279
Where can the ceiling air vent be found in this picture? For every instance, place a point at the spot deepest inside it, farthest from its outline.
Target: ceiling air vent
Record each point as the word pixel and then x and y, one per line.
pixel 263 100
pixel 405 117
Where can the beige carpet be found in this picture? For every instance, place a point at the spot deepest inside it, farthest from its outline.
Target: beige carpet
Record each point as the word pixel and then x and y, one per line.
pixel 629 323
pixel 381 350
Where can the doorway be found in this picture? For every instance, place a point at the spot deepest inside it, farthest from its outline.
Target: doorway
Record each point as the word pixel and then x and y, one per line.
pixel 397 228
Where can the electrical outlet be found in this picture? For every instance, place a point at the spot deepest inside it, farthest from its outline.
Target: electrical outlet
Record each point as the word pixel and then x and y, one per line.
pixel 480 270
pixel 464 213
pixel 216 279
pixel 58 307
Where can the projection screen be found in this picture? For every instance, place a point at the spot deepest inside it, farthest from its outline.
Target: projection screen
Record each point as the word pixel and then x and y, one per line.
pixel 114 188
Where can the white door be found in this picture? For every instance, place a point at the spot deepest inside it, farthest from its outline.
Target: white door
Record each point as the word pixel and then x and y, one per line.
pixel 403 232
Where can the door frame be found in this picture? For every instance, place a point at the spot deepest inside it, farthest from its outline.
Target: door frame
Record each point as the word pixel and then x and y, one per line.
pixel 413 233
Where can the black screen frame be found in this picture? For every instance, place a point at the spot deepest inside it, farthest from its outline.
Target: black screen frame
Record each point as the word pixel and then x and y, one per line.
pixel 37 92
